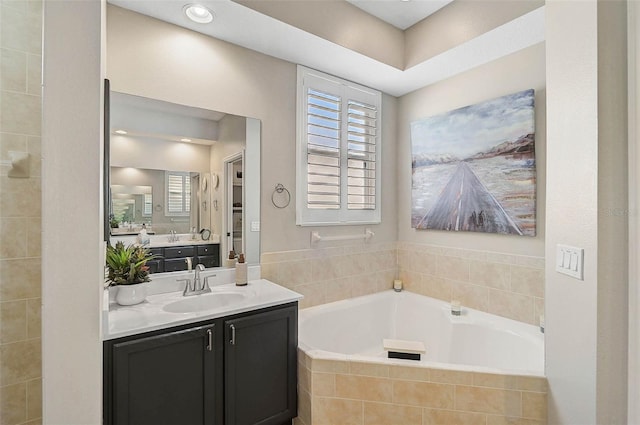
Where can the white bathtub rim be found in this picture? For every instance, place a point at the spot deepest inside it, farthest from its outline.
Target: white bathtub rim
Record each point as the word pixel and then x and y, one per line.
pixel 316 354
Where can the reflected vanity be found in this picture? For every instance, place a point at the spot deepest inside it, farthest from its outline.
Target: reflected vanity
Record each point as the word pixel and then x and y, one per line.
pixel 188 177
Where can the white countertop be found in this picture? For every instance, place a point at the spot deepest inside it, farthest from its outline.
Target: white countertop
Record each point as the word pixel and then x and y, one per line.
pixel 157 241
pixel 148 316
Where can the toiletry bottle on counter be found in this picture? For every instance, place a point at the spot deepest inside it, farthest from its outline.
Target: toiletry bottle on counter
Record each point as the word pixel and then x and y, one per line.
pixel 241 271
pixel 143 237
pixel 231 260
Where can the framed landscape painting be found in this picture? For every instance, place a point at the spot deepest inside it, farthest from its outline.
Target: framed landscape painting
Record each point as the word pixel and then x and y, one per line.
pixel 474 168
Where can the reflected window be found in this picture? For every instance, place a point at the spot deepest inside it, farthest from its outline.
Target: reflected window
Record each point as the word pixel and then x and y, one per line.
pixel 178 201
pixel 148 205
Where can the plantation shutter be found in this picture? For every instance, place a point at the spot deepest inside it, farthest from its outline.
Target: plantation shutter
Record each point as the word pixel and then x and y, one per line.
pixel 178 193
pixel 148 205
pixel 362 156
pixel 323 150
pixel 338 151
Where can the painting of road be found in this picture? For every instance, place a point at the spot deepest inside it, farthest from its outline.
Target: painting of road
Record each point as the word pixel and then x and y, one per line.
pixel 473 168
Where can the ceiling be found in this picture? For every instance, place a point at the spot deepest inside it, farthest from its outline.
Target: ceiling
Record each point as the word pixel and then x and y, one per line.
pixel 401 14
pixel 248 28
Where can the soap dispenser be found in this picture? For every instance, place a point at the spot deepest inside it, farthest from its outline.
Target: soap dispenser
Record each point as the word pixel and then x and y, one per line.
pixel 241 271
pixel 231 260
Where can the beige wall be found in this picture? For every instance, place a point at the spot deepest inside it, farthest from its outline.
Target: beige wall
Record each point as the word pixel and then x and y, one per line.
pixel 513 73
pixel 586 173
pixel 20 214
pixel 458 22
pixel 142 152
pixel 72 220
pixel 500 274
pixel 341 23
pixel 239 81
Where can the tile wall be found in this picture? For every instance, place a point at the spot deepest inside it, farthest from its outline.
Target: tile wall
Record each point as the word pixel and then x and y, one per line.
pixel 507 285
pixel 20 213
pixel 335 392
pixel 324 275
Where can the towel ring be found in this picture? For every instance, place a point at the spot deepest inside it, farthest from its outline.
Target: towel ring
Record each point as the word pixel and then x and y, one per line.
pixel 279 189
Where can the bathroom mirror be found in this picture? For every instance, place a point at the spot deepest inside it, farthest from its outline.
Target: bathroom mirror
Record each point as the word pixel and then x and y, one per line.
pixel 167 171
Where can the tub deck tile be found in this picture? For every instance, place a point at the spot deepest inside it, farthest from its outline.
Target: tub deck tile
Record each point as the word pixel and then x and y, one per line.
pixel 363 388
pixel 323 384
pixel 450 417
pixel 424 394
pixel 451 377
pixel 488 400
pixel 336 411
pixel 412 373
pixel 504 420
pixel 534 405
pixel 369 369
pixel 384 413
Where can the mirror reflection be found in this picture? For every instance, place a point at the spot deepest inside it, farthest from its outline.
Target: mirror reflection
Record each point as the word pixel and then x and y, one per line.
pixel 181 174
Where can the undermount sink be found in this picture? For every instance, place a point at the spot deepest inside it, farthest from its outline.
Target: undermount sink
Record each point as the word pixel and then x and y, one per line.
pixel 205 302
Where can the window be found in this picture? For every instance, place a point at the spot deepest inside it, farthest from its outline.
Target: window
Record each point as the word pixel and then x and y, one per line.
pixel 148 205
pixel 338 151
pixel 178 201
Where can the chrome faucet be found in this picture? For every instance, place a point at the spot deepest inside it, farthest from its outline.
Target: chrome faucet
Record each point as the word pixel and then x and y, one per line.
pixel 173 237
pixel 197 288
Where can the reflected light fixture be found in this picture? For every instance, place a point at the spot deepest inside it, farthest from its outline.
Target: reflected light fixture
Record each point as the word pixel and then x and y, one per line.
pixel 121 132
pixel 198 13
pixel 185 140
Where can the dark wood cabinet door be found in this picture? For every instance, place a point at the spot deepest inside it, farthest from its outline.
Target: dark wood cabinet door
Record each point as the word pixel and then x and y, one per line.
pixel 165 379
pixel 260 366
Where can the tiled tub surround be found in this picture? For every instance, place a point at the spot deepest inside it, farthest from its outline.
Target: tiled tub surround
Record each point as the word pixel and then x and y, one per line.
pixel 344 377
pixel 324 275
pixel 506 285
pixel 342 392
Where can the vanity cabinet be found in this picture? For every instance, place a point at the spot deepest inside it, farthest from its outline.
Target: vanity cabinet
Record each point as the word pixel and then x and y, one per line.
pixel 236 370
pixel 157 264
pixel 260 368
pixel 174 258
pixel 162 379
pixel 209 255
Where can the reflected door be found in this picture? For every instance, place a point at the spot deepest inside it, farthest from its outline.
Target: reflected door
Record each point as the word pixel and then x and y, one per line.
pixel 234 172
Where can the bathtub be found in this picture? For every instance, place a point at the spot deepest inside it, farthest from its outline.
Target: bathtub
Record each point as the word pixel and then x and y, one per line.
pixel 480 365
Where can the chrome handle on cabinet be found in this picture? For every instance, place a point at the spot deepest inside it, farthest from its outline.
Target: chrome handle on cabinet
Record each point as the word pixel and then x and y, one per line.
pixel 209 340
pixel 233 335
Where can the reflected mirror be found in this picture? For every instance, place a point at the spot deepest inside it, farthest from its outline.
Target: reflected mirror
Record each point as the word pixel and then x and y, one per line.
pixel 169 177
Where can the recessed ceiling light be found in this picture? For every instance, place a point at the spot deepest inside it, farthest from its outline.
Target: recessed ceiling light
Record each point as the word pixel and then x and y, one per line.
pixel 121 132
pixel 185 140
pixel 198 13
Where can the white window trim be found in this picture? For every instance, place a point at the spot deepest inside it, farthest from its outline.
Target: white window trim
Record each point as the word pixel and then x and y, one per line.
pixel 343 216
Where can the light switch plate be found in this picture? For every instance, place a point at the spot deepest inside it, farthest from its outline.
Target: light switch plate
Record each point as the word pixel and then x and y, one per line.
pixel 569 261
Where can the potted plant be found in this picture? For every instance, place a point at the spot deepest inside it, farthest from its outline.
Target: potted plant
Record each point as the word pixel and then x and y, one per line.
pixel 128 270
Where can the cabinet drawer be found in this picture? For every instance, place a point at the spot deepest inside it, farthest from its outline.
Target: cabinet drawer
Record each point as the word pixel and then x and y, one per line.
pixel 175 265
pixel 179 251
pixel 158 252
pixel 155 266
pixel 208 249
pixel 209 260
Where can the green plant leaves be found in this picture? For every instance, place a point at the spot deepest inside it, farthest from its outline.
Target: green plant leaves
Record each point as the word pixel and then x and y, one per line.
pixel 126 265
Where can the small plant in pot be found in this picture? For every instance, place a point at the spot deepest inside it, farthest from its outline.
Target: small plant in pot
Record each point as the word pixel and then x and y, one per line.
pixel 128 270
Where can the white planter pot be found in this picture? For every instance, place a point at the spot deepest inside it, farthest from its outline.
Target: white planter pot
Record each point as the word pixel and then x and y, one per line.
pixel 131 294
